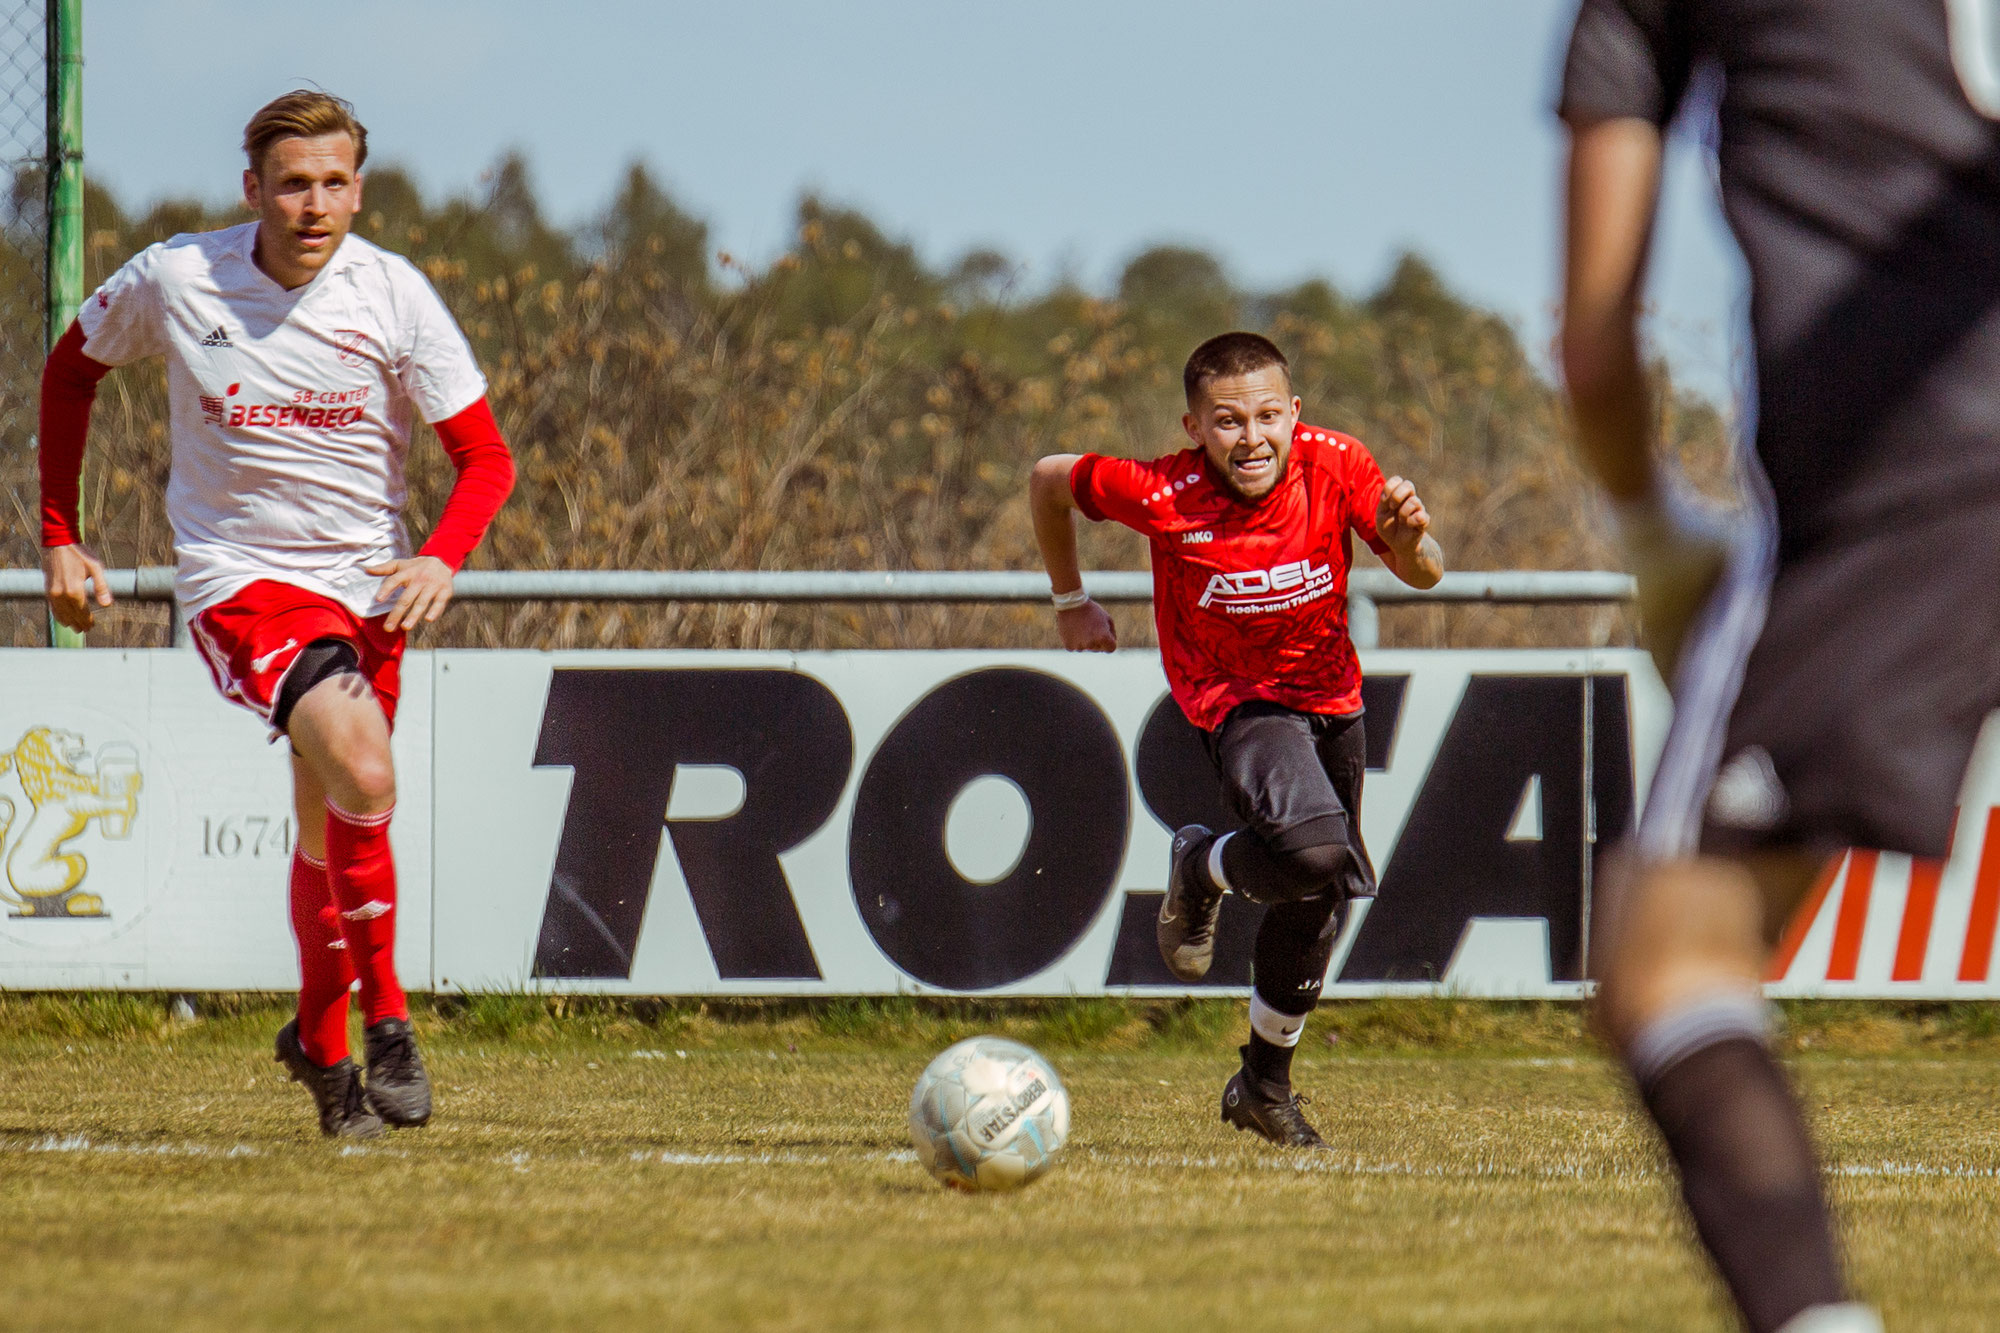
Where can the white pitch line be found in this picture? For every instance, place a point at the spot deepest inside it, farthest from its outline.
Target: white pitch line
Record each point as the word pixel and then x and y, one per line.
pixel 1898 1169
pixel 78 1143
pixel 1301 1164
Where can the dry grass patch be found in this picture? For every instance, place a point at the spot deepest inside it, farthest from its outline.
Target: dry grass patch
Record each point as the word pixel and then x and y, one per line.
pixel 726 1166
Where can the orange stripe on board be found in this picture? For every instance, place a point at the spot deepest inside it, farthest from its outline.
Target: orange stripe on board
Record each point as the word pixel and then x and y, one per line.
pixel 1845 960
pixel 1802 920
pixel 1978 955
pixel 1914 942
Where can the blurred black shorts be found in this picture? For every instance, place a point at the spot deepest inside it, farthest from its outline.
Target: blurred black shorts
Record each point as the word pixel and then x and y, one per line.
pixel 1831 699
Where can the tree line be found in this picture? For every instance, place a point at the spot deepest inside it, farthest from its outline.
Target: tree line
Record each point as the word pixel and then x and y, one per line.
pixel 849 406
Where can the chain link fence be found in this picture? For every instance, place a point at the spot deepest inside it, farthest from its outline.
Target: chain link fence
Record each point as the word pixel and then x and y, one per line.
pixel 23 213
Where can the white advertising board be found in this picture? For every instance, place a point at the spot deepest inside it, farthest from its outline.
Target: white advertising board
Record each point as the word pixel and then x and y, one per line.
pixel 146 828
pixel 872 823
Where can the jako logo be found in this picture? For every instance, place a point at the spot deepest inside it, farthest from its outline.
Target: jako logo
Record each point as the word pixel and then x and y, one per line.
pixel 1254 585
pixel 1197 538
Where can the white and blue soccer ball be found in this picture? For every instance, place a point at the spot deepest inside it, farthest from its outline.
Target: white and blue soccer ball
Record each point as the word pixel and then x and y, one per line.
pixel 989 1114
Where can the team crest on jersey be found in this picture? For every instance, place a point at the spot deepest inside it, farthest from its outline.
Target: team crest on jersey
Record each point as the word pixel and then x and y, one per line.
pixel 350 346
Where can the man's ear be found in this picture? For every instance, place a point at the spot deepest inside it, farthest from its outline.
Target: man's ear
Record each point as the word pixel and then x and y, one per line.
pixel 252 189
pixel 1187 424
pixel 1298 408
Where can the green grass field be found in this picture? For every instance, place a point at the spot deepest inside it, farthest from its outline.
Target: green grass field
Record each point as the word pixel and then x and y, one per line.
pixel 596 1165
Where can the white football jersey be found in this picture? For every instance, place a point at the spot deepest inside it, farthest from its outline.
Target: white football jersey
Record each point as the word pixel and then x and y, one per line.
pixel 291 410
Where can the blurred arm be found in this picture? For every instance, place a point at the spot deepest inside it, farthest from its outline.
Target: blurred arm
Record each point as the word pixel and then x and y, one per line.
pixel 1614 186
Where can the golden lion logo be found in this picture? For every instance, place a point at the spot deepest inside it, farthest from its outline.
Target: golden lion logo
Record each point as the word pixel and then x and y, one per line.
pixel 44 876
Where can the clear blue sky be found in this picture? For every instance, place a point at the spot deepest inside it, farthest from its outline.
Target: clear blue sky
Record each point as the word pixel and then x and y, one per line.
pixel 1289 137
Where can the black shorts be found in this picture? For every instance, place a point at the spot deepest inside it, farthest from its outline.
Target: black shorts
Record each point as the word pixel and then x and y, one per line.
pixel 1295 779
pixel 1831 699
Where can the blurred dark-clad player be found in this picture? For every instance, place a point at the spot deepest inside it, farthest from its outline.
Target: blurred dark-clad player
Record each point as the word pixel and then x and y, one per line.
pixel 1251 541
pixel 1832 662
pixel 298 358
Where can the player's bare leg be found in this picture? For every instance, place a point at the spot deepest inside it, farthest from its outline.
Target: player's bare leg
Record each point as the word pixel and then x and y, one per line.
pixel 1683 952
pixel 342 737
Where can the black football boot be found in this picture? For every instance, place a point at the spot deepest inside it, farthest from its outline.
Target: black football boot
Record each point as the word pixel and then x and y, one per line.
pixel 398 1087
pixel 335 1089
pixel 1186 929
pixel 1270 1113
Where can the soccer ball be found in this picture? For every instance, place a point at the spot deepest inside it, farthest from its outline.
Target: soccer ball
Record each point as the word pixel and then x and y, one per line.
pixel 989 1114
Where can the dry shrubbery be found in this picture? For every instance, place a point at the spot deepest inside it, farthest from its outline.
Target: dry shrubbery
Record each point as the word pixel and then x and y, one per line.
pixel 847 407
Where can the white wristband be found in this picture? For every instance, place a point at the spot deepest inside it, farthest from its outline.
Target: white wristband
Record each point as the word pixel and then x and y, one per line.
pixel 1069 601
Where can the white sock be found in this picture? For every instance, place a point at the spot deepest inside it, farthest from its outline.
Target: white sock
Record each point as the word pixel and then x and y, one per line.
pixel 1216 874
pixel 1850 1318
pixel 1274 1027
pixel 1694 1025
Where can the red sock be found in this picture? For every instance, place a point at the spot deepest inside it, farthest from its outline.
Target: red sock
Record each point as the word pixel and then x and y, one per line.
pixel 326 973
pixel 364 888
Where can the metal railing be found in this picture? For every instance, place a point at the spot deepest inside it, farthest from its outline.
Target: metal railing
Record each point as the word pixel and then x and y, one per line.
pixel 1367 589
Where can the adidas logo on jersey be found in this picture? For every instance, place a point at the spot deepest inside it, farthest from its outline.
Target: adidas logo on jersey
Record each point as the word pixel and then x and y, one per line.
pixel 217 337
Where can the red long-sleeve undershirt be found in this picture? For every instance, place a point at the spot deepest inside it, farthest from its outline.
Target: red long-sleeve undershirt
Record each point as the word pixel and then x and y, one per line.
pixel 485 478
pixel 471 439
pixel 69 387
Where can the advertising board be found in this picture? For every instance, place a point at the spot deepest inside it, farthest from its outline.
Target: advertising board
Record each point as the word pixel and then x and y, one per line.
pixel 990 823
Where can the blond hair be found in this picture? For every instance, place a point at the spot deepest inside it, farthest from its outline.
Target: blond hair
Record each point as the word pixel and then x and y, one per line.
pixel 305 114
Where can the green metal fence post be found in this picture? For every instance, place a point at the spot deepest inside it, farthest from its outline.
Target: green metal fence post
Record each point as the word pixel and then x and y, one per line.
pixel 65 180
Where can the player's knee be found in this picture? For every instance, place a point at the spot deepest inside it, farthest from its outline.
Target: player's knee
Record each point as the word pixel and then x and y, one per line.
pixel 1316 867
pixel 366 781
pixel 375 782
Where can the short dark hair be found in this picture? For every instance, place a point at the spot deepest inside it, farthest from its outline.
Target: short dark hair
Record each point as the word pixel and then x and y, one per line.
pixel 1230 354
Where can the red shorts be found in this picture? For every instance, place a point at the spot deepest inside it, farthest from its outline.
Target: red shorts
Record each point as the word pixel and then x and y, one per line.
pixel 251 641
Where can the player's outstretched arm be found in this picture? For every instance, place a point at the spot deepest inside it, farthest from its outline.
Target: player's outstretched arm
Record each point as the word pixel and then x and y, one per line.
pixel 1084 626
pixel 72 576
pixel 1404 525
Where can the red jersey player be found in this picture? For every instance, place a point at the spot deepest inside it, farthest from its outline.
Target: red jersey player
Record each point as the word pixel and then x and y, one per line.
pixel 1251 548
pixel 297 356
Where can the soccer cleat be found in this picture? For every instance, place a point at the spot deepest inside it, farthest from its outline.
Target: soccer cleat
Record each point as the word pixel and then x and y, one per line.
pixel 335 1089
pixel 1246 1106
pixel 398 1087
pixel 1186 929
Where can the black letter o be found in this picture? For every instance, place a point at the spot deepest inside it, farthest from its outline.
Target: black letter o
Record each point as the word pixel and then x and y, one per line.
pixel 1057 746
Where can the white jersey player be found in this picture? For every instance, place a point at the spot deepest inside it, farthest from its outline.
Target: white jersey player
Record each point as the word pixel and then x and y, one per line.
pixel 298 359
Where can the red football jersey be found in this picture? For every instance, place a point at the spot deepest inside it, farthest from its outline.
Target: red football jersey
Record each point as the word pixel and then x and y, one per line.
pixel 1250 600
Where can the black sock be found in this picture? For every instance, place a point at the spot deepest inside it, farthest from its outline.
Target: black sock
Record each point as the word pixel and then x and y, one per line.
pixel 1269 1063
pixel 1750 1177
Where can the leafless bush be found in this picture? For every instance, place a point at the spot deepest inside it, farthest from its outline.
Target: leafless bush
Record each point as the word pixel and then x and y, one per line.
pixel 846 408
